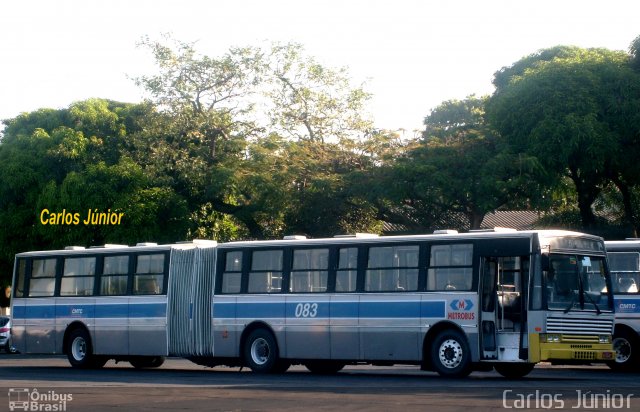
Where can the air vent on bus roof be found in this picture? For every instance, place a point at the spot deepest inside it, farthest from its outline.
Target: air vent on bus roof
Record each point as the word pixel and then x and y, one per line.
pixel 204 242
pixel 74 248
pixel 294 237
pixel 358 236
pixel 495 229
pixel 445 232
pixel 146 244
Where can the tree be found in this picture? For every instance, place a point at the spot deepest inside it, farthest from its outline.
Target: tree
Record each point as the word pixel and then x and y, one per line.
pixel 311 101
pixel 566 107
pixel 219 151
pixel 73 160
pixel 458 168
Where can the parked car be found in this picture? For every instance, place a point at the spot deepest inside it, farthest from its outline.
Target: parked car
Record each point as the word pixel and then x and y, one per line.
pixel 5 335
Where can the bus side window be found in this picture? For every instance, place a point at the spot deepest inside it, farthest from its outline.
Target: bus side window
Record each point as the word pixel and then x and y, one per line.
pixel 232 275
pixel 43 277
pixel 78 276
pixel 19 287
pixel 450 267
pixel 115 275
pixel 266 272
pixel 310 270
pixel 347 273
pixel 149 276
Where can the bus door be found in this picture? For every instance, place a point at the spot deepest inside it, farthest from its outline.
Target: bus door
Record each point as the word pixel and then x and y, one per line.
pixel 502 300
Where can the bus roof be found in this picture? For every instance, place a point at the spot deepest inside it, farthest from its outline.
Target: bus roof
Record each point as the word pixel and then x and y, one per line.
pixel 618 245
pixel 544 237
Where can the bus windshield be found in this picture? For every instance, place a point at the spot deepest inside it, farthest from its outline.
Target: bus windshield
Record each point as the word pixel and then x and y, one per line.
pixel 576 282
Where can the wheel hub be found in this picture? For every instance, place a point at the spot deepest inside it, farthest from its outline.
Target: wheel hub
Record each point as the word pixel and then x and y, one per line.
pixel 450 353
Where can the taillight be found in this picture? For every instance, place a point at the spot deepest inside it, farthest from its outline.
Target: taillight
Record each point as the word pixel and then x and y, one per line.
pixel 2 330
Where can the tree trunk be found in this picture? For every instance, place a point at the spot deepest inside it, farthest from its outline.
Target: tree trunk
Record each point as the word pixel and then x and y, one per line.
pixel 627 202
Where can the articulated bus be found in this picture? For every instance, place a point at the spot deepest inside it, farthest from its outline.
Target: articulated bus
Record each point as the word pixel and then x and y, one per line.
pixel 447 302
pixel 624 263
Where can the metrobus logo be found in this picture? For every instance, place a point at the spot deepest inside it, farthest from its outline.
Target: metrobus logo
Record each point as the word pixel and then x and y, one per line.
pixel 461 305
pixel 461 310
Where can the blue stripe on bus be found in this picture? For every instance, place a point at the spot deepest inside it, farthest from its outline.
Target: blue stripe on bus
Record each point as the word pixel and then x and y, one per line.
pixel 134 310
pixel 381 309
pixel 263 310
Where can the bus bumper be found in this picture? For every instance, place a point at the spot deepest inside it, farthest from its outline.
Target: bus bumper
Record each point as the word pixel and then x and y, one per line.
pixel 586 349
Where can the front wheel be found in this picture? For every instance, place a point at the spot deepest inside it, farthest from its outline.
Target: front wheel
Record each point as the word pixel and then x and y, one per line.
pixel 514 370
pixel 261 352
pixel 450 354
pixel 625 347
pixel 80 352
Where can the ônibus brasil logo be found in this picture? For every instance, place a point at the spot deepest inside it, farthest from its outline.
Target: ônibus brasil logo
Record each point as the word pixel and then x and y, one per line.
pixel 461 310
pixel 34 400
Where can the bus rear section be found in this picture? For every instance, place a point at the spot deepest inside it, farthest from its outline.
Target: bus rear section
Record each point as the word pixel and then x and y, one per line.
pixel 98 304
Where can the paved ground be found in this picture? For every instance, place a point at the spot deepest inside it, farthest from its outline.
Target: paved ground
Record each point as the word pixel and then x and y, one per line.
pixel 182 386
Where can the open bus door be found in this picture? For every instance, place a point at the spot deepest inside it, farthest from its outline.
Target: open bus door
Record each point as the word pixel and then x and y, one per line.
pixel 503 289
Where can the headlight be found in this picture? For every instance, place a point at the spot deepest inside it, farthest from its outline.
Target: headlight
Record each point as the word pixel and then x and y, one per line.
pixel 604 339
pixel 550 338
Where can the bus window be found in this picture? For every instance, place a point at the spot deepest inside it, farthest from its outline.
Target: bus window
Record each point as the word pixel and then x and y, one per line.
pixel 450 267
pixel 347 273
pixel 43 277
pixel 392 268
pixel 266 272
pixel 310 270
pixel 115 275
pixel 77 277
pixel 625 271
pixel 149 276
pixel 232 275
pixel 19 287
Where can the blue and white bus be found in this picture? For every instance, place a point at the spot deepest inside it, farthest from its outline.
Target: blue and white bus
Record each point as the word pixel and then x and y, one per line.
pixel 624 263
pixel 448 302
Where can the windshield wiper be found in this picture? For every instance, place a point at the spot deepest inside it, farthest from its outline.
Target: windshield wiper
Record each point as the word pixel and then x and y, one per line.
pixel 598 311
pixel 573 302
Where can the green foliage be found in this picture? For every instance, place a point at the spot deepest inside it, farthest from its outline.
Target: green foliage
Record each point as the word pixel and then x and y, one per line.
pixel 570 109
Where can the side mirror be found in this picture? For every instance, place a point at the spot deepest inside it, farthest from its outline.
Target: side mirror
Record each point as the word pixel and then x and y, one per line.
pixel 545 263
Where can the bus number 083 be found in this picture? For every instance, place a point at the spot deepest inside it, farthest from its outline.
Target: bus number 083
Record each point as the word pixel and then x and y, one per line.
pixel 306 310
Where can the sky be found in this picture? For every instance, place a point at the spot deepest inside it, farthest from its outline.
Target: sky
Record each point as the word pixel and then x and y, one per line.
pixel 411 54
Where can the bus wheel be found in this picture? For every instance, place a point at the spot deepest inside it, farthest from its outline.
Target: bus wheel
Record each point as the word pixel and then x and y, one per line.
pixel 261 352
pixel 625 349
pixel 140 362
pixel 324 367
pixel 514 370
pixel 80 352
pixel 450 354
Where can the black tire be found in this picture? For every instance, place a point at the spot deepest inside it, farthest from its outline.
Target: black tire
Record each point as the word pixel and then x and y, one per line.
pixel 626 348
pixel 209 362
pixel 324 367
pixel 514 370
pixel 140 362
pixel 80 351
pixel 261 352
pixel 450 354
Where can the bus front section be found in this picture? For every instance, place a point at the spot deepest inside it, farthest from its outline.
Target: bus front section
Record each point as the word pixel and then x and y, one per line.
pixel 571 308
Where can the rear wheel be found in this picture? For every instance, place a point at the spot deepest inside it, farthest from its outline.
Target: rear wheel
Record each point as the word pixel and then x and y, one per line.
pixel 514 370
pixel 80 352
pixel 625 346
pixel 324 367
pixel 140 362
pixel 261 353
pixel 450 354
